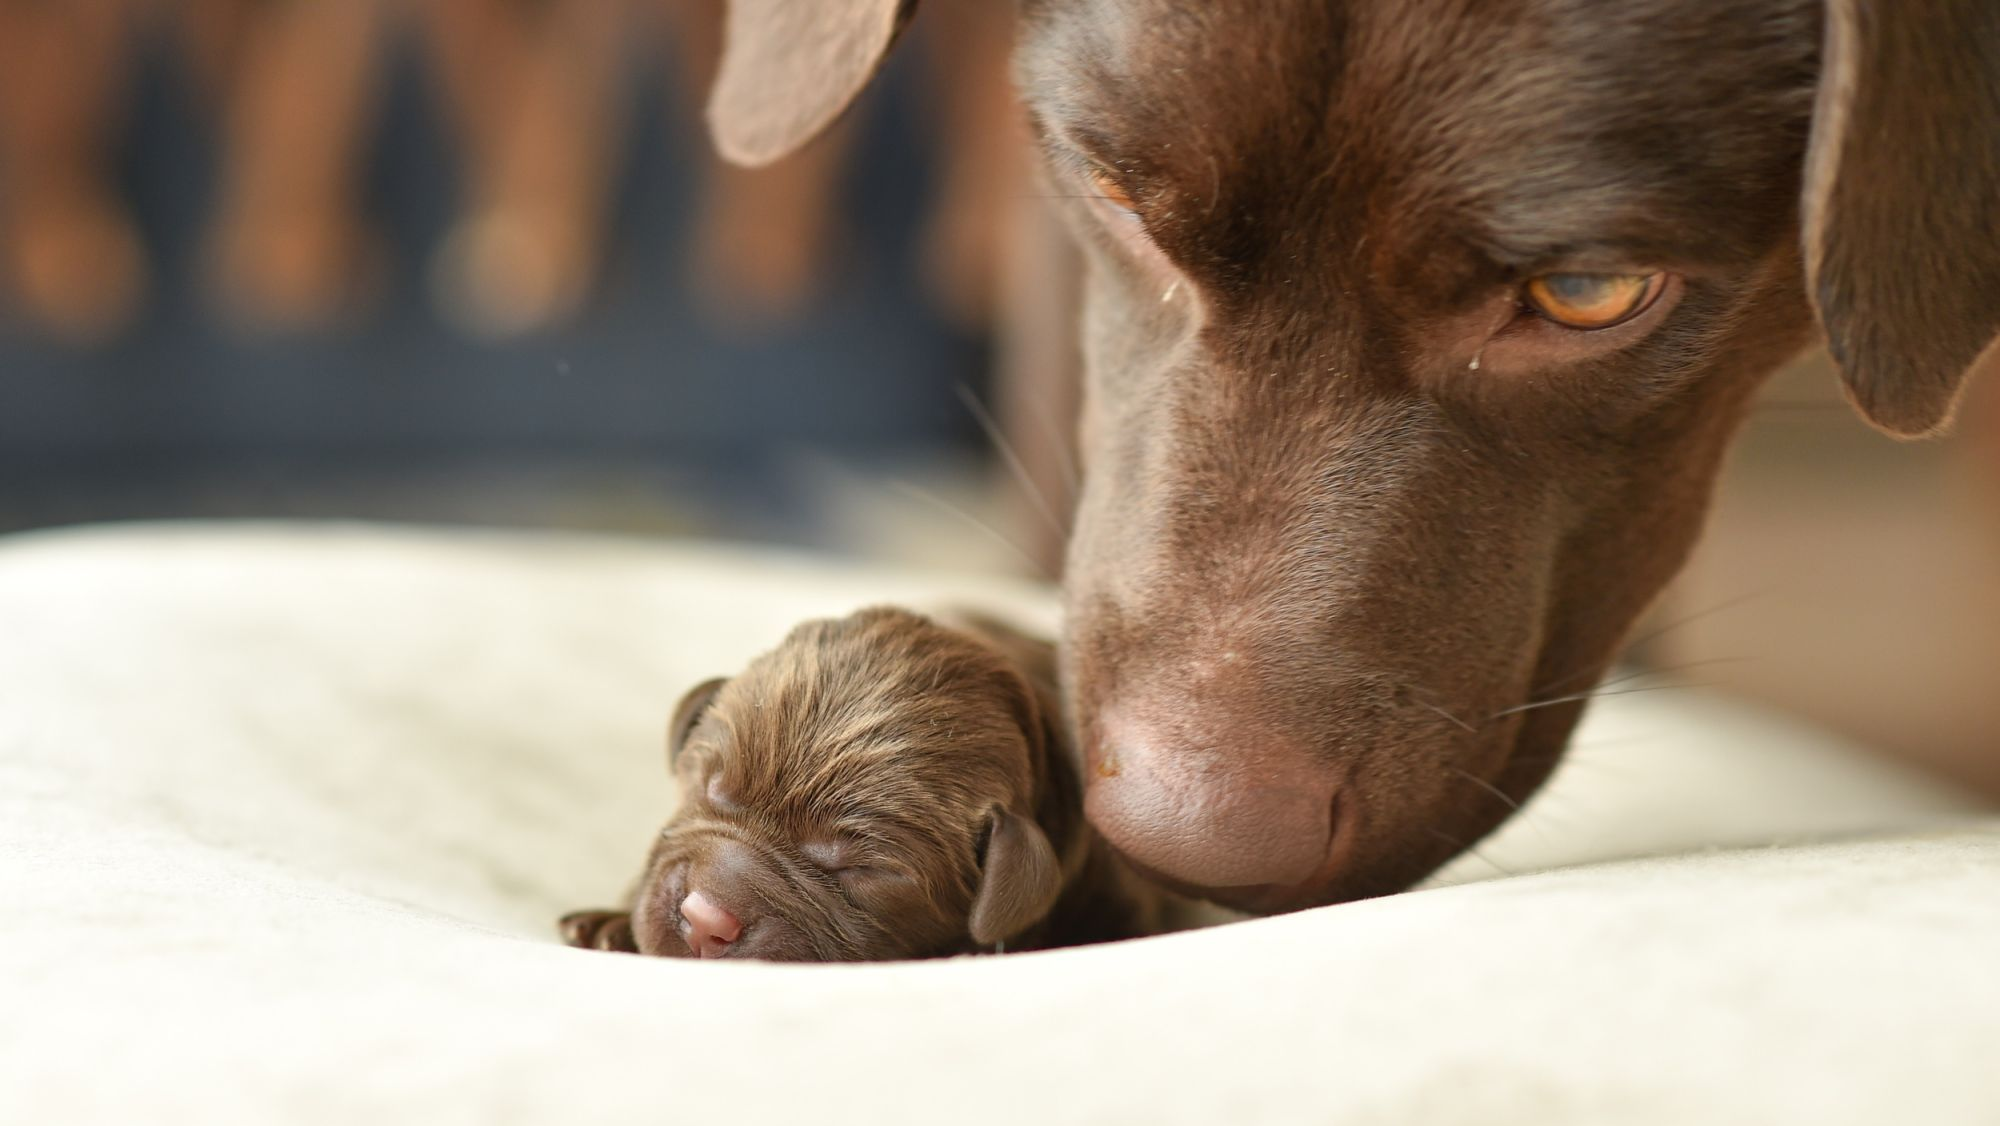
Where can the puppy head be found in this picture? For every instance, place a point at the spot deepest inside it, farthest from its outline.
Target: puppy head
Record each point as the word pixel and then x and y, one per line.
pixel 868 790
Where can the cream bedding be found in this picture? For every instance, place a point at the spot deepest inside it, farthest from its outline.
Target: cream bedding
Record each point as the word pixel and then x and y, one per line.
pixel 286 814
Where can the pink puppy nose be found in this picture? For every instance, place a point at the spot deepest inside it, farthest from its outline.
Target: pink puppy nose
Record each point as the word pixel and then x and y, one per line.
pixel 709 926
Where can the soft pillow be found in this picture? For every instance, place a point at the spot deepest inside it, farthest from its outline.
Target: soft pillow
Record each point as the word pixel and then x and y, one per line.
pixel 287 813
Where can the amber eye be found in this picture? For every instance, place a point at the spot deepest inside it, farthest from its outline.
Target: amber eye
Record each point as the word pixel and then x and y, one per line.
pixel 1112 195
pixel 1590 301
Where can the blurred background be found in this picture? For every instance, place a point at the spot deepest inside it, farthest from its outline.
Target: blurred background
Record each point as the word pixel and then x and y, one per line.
pixel 471 261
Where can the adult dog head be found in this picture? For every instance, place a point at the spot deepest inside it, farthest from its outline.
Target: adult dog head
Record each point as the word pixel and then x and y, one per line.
pixel 1416 332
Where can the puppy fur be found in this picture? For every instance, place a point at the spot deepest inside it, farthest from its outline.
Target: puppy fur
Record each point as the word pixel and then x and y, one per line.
pixel 879 786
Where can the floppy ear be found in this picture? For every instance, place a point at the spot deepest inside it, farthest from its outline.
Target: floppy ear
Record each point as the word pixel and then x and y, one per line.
pixel 790 66
pixel 688 712
pixel 1902 202
pixel 1019 879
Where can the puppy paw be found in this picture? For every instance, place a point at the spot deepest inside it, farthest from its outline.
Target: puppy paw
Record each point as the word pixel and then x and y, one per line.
pixel 599 930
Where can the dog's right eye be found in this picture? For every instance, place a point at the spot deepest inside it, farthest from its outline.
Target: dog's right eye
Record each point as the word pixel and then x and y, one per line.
pixel 1112 196
pixel 1592 301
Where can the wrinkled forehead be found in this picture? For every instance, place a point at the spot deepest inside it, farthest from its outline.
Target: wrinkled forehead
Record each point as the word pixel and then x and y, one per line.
pixel 1533 128
pixel 853 736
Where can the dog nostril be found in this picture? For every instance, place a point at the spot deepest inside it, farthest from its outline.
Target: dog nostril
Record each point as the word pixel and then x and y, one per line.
pixel 708 926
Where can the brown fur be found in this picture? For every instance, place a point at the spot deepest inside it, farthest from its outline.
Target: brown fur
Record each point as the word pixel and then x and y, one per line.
pixel 1358 528
pixel 879 786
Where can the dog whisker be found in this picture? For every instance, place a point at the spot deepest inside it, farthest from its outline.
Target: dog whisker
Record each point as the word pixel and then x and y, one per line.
pixel 1446 716
pixel 1665 670
pixel 1483 784
pixel 1467 850
pixel 1636 674
pixel 1658 632
pixel 1012 460
pixel 1573 697
pixel 1060 441
pixel 916 492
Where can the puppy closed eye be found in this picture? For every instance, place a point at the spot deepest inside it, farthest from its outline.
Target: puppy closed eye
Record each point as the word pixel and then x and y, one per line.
pixel 1587 301
pixel 853 872
pixel 869 876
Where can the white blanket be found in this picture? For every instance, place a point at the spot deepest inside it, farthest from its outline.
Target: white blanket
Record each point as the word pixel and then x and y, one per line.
pixel 286 816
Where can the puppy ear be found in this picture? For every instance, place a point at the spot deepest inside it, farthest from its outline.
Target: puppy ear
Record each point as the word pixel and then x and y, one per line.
pixel 688 712
pixel 1902 202
pixel 789 67
pixel 1019 879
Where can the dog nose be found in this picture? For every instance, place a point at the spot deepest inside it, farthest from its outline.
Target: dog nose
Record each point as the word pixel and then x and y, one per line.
pixel 1205 819
pixel 708 926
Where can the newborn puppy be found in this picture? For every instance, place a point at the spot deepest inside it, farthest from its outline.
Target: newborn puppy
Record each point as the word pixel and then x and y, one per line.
pixel 879 786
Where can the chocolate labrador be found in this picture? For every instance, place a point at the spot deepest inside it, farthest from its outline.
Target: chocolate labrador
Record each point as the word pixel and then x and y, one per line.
pixel 879 786
pixel 1415 332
